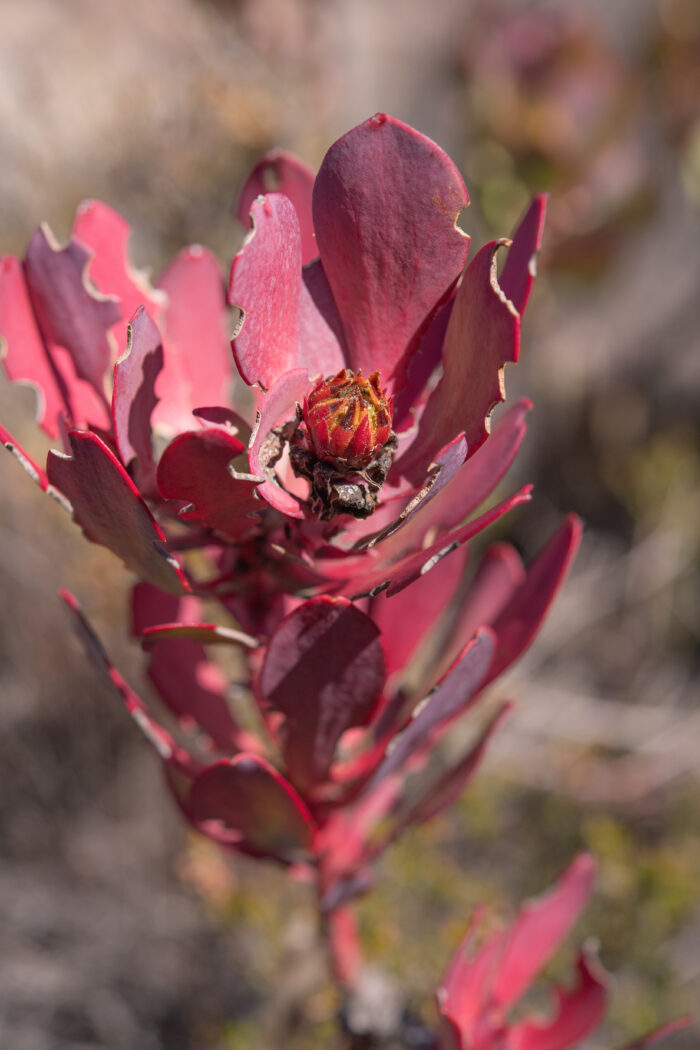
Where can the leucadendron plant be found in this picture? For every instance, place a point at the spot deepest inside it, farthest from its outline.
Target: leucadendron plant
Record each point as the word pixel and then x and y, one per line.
pixel 336 459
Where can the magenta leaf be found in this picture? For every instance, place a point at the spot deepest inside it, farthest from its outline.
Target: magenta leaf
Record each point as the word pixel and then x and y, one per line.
pixel 22 348
pixel 520 268
pixel 578 1011
pixel 450 697
pixel 324 670
pixel 190 685
pixel 133 396
pixel 70 311
pixel 385 206
pixel 248 801
pixel 24 459
pixel 106 234
pixel 195 468
pixel 483 333
pixel 406 625
pixel 107 506
pixel 281 172
pixel 206 633
pixel 198 368
pixel 278 406
pixel 520 620
pixel 266 286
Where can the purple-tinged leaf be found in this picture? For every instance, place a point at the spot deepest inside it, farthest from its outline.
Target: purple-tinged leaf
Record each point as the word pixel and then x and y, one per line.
pixel 70 311
pixel 520 267
pixel 198 367
pixel 265 286
pixel 250 803
pixel 452 784
pixel 395 577
pixel 107 506
pixel 22 349
pixel 385 206
pixel 483 333
pixel 450 697
pixel 445 467
pixel 520 620
pixel 498 577
pixel 322 346
pixel 159 738
pixel 195 468
pixel 474 481
pixel 133 396
pixel 324 670
pixel 578 1011
pixel 106 234
pixel 281 172
pixel 189 684
pixel 406 625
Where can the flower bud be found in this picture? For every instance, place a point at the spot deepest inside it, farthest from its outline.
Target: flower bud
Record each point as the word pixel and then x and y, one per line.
pixel 348 419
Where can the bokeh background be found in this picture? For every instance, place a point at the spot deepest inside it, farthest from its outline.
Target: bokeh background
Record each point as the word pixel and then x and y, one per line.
pixel 117 929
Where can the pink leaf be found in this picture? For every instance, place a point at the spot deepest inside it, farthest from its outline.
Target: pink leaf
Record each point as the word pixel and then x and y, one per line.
pixel 324 670
pixel 278 406
pixel 106 233
pixel 281 172
pixel 24 459
pixel 385 205
pixel 133 397
pixel 266 286
pixel 579 1010
pixel 251 803
pixel 22 348
pixel 198 367
pixel 107 506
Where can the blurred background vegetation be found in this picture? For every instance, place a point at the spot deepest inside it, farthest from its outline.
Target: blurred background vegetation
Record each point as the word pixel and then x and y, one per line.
pixel 121 931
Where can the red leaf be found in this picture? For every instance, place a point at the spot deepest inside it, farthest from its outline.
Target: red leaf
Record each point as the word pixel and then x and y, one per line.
pixel 324 670
pixel 190 685
pixel 520 620
pixel 520 268
pixel 133 396
pixel 281 172
pixel 579 1010
pixel 198 368
pixel 483 333
pixel 195 468
pixel 22 349
pixel 108 507
pixel 265 285
pixel 385 205
pixel 70 311
pixel 253 805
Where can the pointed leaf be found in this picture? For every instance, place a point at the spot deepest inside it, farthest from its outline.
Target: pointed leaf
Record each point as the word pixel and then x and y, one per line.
pixel 483 333
pixel 578 1011
pixel 520 268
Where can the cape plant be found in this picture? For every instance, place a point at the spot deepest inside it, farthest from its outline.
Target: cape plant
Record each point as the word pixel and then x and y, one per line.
pixel 340 456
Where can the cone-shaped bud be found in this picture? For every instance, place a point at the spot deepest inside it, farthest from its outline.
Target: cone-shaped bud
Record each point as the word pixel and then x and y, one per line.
pixel 348 419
